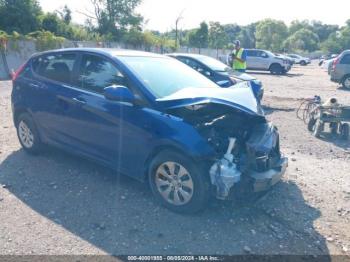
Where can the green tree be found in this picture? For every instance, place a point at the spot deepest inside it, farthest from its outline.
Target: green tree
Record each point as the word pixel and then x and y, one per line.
pixel 203 34
pixel 247 36
pixel 217 36
pixel 50 22
pixel 270 34
pixel 19 15
pixel 323 30
pixel 303 39
pixel 65 14
pixel 232 32
pixel 116 16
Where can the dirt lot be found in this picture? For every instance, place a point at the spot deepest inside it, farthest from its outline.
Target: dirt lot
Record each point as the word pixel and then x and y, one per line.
pixel 59 204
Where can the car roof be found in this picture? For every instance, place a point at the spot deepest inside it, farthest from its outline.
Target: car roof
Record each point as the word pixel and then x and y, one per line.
pixel 187 55
pixel 105 51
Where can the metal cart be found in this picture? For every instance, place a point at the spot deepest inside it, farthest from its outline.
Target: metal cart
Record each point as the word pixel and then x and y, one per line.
pixel 337 117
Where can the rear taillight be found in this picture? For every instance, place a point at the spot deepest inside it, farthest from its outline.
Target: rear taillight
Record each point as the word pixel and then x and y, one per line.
pixel 335 62
pixel 18 72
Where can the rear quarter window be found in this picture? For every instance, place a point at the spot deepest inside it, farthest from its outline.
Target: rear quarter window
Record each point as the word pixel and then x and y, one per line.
pixel 345 59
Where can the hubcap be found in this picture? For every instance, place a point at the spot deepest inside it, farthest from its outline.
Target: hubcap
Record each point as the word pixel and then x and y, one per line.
pixel 25 134
pixel 174 183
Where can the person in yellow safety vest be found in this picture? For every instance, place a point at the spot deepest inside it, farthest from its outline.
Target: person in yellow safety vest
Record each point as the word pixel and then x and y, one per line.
pixel 239 58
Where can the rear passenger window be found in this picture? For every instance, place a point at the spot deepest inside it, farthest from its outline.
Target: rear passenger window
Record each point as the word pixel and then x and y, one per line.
pixel 97 73
pixel 57 67
pixel 251 53
pixel 345 60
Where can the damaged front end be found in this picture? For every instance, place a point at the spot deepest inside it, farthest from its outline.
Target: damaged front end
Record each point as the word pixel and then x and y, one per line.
pixel 247 150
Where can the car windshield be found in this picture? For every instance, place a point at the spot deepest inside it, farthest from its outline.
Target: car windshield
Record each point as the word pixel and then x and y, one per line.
pixel 164 76
pixel 212 63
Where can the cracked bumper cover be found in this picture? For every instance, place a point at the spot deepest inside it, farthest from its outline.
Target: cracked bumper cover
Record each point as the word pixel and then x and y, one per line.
pixel 265 180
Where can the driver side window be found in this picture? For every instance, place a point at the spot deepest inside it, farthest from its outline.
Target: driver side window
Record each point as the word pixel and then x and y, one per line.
pixel 97 73
pixel 196 66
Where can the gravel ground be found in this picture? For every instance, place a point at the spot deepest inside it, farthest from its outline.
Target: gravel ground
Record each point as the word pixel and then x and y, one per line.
pixel 59 204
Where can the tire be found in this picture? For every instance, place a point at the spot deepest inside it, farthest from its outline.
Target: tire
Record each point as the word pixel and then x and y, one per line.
pixel 276 69
pixel 346 82
pixel 28 134
pixel 303 63
pixel 191 188
pixel 345 130
pixel 311 124
pixel 317 129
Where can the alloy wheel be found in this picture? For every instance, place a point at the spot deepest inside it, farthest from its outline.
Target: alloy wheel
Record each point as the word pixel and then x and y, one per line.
pixel 25 134
pixel 174 183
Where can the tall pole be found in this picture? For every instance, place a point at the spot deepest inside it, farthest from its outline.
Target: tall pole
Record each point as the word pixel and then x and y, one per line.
pixel 178 19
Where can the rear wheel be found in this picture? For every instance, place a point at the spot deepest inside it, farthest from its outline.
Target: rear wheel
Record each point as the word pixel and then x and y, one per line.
pixel 303 63
pixel 177 183
pixel 27 134
pixel 346 82
pixel 276 69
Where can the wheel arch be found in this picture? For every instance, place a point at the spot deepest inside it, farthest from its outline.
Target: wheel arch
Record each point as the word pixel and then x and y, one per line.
pixel 156 151
pixel 344 77
pixel 19 111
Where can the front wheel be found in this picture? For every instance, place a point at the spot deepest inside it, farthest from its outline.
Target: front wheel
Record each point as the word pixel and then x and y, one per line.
pixel 303 63
pixel 276 69
pixel 177 183
pixel 27 134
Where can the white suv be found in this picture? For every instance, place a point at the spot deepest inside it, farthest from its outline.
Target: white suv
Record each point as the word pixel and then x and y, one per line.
pixel 266 61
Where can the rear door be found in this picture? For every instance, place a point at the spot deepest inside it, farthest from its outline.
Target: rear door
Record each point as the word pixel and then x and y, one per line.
pixel 263 60
pixel 51 73
pixel 343 67
pixel 252 62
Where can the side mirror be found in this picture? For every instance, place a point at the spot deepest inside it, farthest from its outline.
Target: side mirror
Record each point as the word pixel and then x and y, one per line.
pixel 118 93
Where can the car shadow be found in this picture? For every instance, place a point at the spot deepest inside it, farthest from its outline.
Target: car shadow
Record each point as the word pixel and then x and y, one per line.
pixel 119 216
pixel 335 140
pixel 340 87
pixel 269 109
pixel 268 73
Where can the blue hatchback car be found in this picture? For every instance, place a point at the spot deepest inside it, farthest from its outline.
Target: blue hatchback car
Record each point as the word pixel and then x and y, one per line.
pixel 220 73
pixel 150 117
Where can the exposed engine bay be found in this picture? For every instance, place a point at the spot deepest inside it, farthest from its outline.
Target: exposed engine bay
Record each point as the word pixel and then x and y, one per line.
pixel 243 143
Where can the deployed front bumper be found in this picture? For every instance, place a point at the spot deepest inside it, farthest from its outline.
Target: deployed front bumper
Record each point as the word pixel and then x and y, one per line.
pixel 262 181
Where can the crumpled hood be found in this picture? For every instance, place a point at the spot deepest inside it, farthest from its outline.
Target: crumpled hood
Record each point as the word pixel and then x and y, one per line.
pixel 241 97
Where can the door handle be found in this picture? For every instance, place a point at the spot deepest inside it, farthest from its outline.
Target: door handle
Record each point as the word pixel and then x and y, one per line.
pixel 79 101
pixel 34 85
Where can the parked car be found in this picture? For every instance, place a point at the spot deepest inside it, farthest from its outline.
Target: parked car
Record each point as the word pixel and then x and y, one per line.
pixel 340 69
pixel 300 59
pixel 150 117
pixel 290 60
pixel 219 73
pixel 266 61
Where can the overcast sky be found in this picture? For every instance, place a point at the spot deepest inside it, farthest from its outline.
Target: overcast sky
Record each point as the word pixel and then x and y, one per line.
pixel 161 14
